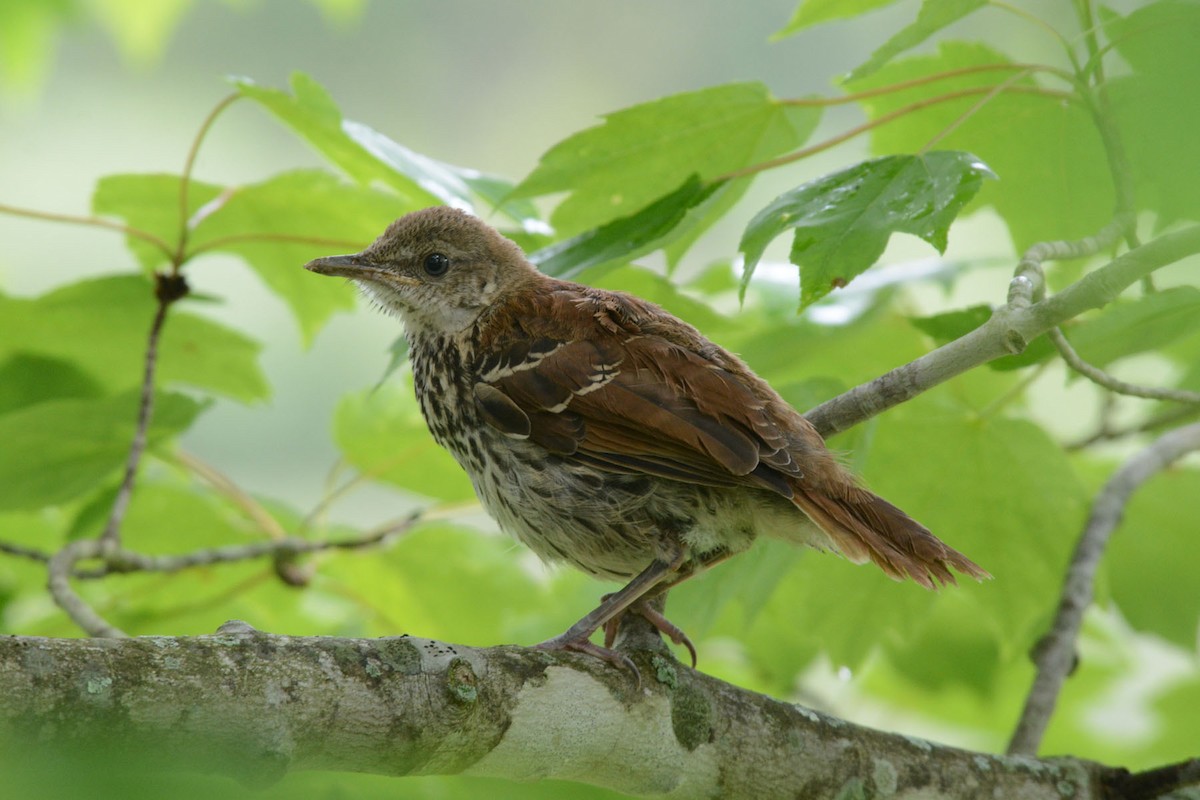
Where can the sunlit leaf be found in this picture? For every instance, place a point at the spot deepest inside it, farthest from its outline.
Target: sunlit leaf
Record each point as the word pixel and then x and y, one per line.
pixel 934 15
pixel 368 156
pixel 813 12
pixel 1054 180
pixel 842 222
pixel 624 164
pixel 1155 105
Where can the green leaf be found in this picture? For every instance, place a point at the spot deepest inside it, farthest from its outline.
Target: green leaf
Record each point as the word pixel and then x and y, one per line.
pixel 622 165
pixel 1155 106
pixel 101 325
pixel 1001 491
pixel 278 225
pixel 1152 559
pixel 1054 182
pixel 813 12
pixel 27 379
pixel 843 221
pixel 626 238
pixel 57 450
pixel 150 203
pixel 312 113
pixel 494 590
pixel 368 156
pixel 382 434
pixel 1143 325
pixel 934 15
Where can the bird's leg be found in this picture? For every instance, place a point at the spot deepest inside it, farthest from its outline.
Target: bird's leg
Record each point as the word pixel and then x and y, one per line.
pixel 611 607
pixel 652 612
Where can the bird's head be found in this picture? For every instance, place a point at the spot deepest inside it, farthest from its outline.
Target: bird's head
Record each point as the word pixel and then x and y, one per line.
pixel 438 268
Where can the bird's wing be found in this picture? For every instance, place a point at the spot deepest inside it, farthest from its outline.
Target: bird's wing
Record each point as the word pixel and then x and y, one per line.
pixel 611 394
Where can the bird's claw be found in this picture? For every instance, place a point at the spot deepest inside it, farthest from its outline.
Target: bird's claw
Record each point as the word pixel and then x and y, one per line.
pixel 660 623
pixel 613 657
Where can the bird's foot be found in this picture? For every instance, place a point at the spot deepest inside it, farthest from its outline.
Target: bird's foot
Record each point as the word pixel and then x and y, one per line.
pixel 655 617
pixel 587 646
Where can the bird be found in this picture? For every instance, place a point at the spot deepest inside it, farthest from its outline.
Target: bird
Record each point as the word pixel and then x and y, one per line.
pixel 602 431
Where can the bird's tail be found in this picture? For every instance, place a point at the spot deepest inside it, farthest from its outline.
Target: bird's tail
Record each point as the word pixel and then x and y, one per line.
pixel 862 526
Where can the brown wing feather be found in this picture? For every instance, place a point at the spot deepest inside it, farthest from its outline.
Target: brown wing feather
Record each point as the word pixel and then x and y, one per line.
pixel 632 394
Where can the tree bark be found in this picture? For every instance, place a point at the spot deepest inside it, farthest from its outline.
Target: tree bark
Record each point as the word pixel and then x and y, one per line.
pixel 256 706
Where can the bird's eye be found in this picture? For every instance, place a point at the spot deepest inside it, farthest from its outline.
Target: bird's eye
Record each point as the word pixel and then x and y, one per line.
pixel 436 264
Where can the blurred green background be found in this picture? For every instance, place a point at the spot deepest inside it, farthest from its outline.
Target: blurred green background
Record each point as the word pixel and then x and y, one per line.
pixel 94 87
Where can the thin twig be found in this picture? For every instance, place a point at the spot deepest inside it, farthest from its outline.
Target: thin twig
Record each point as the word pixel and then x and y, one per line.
pixel 1029 282
pixel 1056 653
pixel 1157 422
pixel 1099 376
pixel 122 561
pixel 32 553
pixel 168 289
pixel 61 567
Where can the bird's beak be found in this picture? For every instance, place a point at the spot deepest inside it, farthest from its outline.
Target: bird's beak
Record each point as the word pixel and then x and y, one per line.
pixel 345 266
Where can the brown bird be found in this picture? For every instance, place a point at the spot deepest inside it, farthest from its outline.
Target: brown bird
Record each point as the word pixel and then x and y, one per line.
pixel 600 430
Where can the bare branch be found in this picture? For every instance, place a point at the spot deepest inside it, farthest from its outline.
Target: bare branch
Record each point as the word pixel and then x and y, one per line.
pixel 121 561
pixel 62 565
pixel 258 706
pixel 21 551
pixel 1099 376
pixel 167 290
pixel 1056 653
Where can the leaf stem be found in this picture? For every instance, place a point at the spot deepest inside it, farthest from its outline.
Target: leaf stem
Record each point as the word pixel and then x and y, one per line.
pixel 292 238
pixel 96 222
pixel 1041 23
pixel 261 518
pixel 818 102
pixel 185 180
pixel 882 120
pixel 970 112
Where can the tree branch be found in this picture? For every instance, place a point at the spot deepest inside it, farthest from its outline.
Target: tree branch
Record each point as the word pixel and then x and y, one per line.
pixel 1009 331
pixel 257 706
pixel 1055 655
